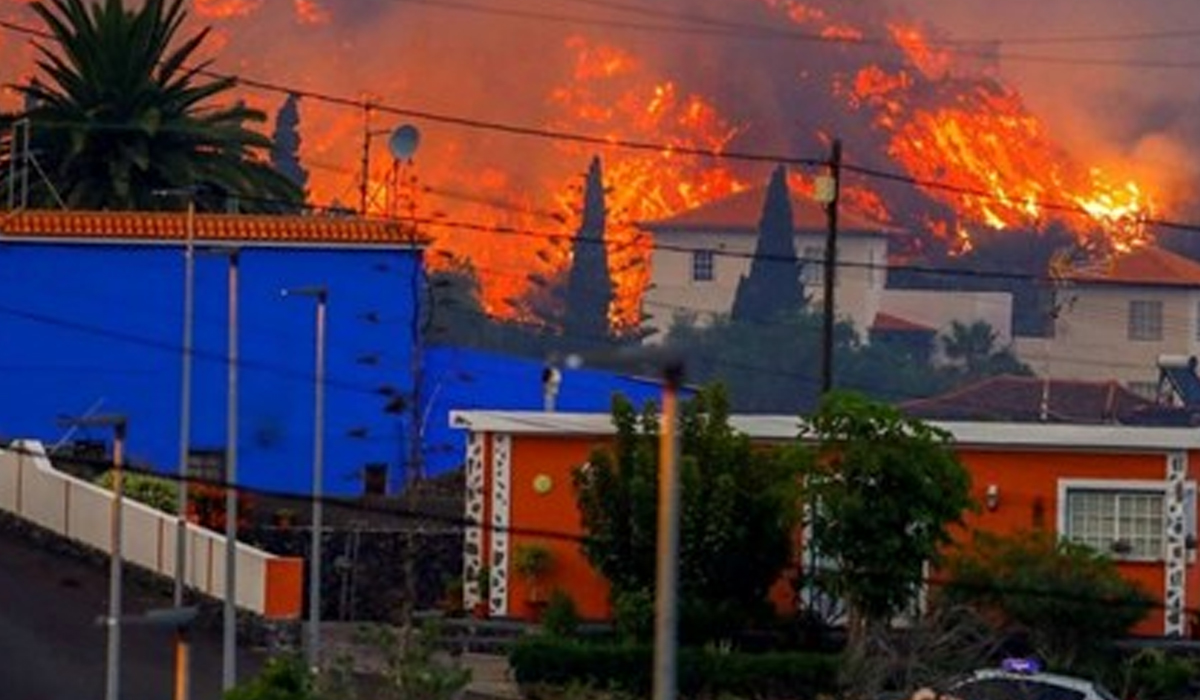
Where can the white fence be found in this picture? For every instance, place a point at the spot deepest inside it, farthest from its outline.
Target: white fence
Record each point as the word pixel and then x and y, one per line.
pixel 32 489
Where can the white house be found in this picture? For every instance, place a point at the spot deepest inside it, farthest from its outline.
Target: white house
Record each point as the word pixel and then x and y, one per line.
pixel 700 256
pixel 1117 321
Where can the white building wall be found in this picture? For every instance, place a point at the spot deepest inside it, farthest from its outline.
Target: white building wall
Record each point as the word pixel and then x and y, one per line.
pixel 1091 334
pixel 860 280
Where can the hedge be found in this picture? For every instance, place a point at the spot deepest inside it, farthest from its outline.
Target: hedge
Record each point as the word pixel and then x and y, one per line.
pixel 701 672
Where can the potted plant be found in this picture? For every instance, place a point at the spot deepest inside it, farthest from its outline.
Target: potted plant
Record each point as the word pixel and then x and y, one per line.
pixel 532 562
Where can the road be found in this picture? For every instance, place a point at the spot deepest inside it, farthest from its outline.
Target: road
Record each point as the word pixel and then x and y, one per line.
pixel 51 648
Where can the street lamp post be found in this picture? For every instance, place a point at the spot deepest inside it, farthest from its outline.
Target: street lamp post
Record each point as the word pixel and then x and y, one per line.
pixel 670 364
pixel 321 295
pixel 118 423
pixel 229 630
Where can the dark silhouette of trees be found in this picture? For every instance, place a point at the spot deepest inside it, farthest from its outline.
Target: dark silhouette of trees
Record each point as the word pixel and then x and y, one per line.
pixel 773 287
pixel 285 149
pixel 589 292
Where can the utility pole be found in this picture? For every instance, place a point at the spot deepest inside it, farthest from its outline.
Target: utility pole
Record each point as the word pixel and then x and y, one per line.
pixel 828 193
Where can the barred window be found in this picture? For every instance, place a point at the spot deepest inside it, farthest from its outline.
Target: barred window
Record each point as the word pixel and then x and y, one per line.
pixel 1145 320
pixel 702 266
pixel 1126 524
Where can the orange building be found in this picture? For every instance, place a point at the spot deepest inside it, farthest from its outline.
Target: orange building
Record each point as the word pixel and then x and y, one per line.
pixel 1126 490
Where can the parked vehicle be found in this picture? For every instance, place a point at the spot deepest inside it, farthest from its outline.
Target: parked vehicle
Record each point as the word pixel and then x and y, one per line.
pixel 1023 679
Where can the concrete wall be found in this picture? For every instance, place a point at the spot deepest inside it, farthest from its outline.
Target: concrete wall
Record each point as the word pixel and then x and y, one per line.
pixel 32 489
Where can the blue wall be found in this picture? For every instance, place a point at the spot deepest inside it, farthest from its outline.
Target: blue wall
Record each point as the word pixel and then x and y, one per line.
pixel 87 324
pixel 461 379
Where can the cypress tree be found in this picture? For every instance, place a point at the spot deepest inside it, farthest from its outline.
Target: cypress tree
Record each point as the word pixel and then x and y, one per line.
pixel 285 151
pixel 589 286
pixel 773 287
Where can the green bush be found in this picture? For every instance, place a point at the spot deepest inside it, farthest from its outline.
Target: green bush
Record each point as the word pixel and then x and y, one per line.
pixel 1153 674
pixel 283 678
pixel 628 668
pixel 561 617
pixel 155 491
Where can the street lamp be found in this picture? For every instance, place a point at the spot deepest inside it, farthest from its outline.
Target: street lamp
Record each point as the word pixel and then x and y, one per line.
pixel 118 423
pixel 321 295
pixel 229 629
pixel 671 367
pixel 185 393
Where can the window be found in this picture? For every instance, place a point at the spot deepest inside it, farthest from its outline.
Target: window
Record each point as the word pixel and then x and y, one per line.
pixel 1127 524
pixel 1145 320
pixel 702 266
pixel 812 266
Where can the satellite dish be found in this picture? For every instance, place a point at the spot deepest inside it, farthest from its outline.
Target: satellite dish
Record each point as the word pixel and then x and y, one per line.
pixel 404 141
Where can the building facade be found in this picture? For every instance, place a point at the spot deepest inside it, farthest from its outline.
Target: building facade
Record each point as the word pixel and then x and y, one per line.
pixel 1117 321
pixel 92 306
pixel 1127 491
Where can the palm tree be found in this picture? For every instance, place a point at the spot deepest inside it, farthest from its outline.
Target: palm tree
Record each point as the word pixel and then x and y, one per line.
pixel 122 113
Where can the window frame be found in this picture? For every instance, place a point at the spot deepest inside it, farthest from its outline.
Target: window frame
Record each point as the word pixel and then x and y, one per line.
pixel 1145 328
pixel 1130 487
pixel 704 265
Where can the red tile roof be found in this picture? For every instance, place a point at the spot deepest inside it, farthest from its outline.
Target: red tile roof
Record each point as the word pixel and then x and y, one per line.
pixel 741 213
pixel 888 322
pixel 1147 266
pixel 1019 399
pixel 163 227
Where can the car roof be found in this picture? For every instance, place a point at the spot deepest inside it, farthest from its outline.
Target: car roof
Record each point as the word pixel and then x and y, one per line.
pixel 1070 682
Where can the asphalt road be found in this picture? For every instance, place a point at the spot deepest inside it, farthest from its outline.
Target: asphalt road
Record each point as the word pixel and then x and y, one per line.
pixel 52 649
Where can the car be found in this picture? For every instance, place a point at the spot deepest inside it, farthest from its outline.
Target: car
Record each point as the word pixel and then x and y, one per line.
pixel 1023 679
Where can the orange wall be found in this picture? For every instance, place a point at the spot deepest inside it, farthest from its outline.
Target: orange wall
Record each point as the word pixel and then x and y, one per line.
pixel 1028 485
pixel 553 513
pixel 1027 482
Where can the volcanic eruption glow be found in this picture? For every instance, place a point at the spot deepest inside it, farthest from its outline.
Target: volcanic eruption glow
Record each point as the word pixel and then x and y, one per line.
pixel 975 155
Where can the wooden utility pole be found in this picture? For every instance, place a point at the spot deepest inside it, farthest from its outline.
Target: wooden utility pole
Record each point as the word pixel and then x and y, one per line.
pixel 830 198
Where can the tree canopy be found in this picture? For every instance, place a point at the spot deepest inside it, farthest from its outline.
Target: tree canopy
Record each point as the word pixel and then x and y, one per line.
pixel 737 515
pixel 885 490
pixel 122 110
pixel 773 287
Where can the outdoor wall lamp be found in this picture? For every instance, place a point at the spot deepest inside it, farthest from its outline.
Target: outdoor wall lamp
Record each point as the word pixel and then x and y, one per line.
pixel 992 497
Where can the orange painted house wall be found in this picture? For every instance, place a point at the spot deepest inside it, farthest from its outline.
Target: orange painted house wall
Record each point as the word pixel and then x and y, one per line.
pixel 552 519
pixel 1028 482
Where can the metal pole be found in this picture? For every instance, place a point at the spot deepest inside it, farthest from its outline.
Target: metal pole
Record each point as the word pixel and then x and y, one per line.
pixel 314 589
pixel 666 605
pixel 229 673
pixel 185 402
pixel 835 171
pixel 113 684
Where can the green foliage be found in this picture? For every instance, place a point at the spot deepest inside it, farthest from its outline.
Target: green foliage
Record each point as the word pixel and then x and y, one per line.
pixel 972 349
pixel 701 672
pixel 561 617
pixel 1153 674
pixel 155 491
pixel 773 288
pixel 412 667
pixel 1069 600
pixel 283 678
pixel 532 560
pixel 633 614
pixel 120 112
pixel 738 506
pixel 887 489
